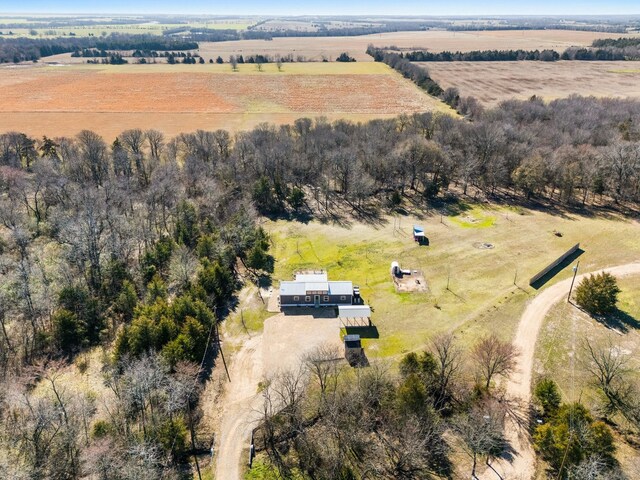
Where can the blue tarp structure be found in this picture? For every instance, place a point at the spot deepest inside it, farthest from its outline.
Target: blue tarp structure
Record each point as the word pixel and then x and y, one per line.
pixel 418 231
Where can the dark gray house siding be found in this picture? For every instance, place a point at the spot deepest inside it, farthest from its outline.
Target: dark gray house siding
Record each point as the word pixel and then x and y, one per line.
pixel 325 300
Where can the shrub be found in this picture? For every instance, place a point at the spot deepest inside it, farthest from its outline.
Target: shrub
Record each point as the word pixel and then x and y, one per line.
pixel 572 436
pixel 598 294
pixel 548 395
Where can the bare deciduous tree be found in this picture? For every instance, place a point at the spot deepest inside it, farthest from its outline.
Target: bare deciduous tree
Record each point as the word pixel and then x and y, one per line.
pixel 608 365
pixel 449 361
pixel 493 357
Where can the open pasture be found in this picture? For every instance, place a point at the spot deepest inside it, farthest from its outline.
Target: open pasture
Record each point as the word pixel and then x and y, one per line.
pixel 432 40
pixel 493 82
pixel 56 101
pixel 471 289
pixel 97 30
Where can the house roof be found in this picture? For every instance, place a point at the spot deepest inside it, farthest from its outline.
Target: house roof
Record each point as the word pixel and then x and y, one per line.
pixel 292 288
pixel 317 286
pixel 340 288
pixel 311 277
pixel 297 287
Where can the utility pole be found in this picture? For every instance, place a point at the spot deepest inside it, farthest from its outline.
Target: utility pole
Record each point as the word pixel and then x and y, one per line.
pixel 224 362
pixel 575 272
pixel 515 277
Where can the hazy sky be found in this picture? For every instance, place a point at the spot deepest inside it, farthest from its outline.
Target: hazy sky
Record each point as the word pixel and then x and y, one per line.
pixel 301 7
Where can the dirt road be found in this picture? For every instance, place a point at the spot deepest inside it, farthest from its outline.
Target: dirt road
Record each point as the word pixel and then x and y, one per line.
pixel 241 401
pixel 284 341
pixel 522 465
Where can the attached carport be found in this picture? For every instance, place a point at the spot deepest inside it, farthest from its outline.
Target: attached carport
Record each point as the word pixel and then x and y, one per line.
pixel 354 315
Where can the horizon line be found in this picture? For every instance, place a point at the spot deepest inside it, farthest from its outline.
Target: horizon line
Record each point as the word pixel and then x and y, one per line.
pixel 299 15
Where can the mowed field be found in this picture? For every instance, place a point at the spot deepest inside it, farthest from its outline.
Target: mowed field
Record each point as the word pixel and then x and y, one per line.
pixel 57 101
pixel 492 82
pixel 432 40
pixel 471 290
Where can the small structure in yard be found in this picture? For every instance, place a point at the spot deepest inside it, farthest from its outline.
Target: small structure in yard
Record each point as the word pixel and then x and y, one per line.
pixel 418 234
pixel 407 280
pixel 313 289
pixel 355 315
pixel 396 271
pixel 353 351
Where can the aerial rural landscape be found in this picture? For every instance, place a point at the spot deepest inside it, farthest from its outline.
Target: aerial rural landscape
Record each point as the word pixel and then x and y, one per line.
pixel 354 242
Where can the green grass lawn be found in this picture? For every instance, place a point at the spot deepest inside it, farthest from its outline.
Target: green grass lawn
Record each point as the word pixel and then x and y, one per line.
pixel 481 296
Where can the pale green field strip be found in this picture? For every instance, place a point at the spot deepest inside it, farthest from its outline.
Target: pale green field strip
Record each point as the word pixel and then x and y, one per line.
pixel 295 68
pixel 98 30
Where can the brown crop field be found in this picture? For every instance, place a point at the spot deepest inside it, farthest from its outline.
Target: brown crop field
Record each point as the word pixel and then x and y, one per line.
pixel 431 40
pixel 56 101
pixel 492 82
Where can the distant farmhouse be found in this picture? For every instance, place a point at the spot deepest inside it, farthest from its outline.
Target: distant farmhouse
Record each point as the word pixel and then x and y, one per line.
pixel 315 290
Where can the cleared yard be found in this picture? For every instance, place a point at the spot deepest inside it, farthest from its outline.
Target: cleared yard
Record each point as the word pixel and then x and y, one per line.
pixel 480 297
pixel 56 101
pixel 432 40
pixel 493 82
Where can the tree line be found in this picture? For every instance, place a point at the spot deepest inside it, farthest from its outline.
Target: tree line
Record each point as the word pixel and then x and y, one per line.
pixel 610 53
pixel 602 53
pixel 417 74
pixel 27 49
pixel 621 27
pixel 482 56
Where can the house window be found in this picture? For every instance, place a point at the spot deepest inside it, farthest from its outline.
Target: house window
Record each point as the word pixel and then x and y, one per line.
pixel 307 299
pixel 296 298
pixel 342 297
pixel 326 298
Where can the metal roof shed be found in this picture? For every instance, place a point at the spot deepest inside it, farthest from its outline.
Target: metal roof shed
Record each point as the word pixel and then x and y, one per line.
pixel 354 311
pixel 352 341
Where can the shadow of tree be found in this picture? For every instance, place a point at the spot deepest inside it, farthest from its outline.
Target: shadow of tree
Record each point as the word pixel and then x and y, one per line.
pixel 619 320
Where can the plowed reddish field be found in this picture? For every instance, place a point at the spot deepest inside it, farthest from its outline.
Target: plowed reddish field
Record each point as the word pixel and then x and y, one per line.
pixel 57 101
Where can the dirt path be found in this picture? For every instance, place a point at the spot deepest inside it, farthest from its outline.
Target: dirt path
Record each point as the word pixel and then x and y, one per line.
pixel 522 465
pixel 281 346
pixel 241 401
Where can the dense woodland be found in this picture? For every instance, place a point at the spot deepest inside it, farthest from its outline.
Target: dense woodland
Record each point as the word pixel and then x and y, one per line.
pixel 134 248
pixel 116 246
pixel 28 49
